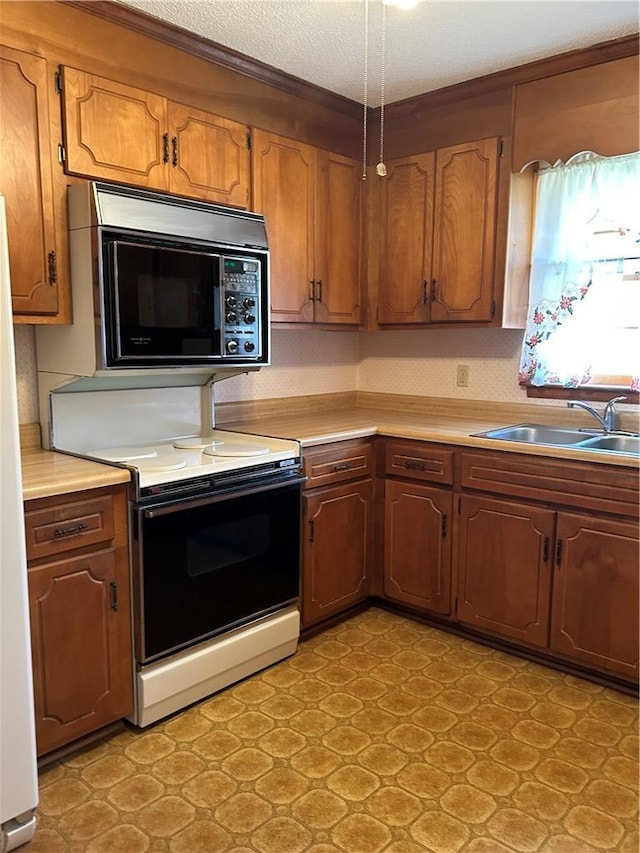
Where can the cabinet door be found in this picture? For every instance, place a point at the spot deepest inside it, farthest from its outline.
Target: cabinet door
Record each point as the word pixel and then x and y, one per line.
pixel 417 564
pixel 464 232
pixel 25 182
pixel 336 530
pixel 595 593
pixel 504 559
pixel 209 156
pixel 406 244
pixel 80 637
pixel 114 131
pixel 338 239
pixel 283 173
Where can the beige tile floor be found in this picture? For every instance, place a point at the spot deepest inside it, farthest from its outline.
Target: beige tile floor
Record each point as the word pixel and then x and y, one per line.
pixel 380 735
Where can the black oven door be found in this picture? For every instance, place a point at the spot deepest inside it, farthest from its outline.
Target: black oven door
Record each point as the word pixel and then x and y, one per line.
pixel 162 303
pixel 209 565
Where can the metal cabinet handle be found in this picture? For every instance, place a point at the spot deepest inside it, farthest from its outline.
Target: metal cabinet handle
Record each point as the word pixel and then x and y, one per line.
pixel 312 293
pixel 59 532
pixel 342 466
pixel 114 596
pixel 425 297
pixel 414 463
pixel 319 290
pixel 558 552
pixel 165 147
pixel 311 530
pixel 433 289
pixel 545 550
pixel 174 151
pixel 53 267
pixel 443 529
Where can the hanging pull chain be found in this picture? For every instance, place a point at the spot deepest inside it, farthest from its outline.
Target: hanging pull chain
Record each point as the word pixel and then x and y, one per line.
pixel 381 169
pixel 366 90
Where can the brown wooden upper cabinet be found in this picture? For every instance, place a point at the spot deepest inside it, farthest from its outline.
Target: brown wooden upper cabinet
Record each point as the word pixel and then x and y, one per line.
pixel 26 183
pixel 120 133
pixel 438 236
pixel 312 203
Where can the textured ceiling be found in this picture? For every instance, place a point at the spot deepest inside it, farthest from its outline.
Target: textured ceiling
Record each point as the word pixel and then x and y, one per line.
pixel 436 44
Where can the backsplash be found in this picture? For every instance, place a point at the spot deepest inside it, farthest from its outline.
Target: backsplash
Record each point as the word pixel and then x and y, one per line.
pixel 310 361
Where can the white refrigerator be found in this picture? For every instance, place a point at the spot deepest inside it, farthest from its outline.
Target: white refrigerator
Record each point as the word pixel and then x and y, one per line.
pixel 18 769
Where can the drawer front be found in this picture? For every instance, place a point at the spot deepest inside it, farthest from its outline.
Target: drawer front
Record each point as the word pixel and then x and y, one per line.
pixel 338 463
pixel 420 461
pixel 66 526
pixel 601 488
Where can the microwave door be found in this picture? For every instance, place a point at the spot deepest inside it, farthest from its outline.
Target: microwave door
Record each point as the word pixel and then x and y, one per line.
pixel 166 306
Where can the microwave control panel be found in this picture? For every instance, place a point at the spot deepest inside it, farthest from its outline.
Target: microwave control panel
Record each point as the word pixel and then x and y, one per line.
pixel 241 309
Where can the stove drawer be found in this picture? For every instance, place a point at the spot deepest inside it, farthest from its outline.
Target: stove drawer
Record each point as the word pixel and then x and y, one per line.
pixel 56 525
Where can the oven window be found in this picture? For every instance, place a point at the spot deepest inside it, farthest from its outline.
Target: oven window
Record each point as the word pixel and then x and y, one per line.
pixel 166 302
pixel 209 568
pixel 223 545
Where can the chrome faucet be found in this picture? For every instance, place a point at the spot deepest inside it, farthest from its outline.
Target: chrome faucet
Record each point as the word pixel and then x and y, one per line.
pixel 608 420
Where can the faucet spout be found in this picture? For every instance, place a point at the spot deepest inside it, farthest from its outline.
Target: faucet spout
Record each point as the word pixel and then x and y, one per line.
pixel 608 420
pixel 578 404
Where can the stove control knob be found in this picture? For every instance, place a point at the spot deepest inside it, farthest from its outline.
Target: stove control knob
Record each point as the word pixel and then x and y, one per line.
pixel 249 318
pixel 232 346
pixel 248 302
pixel 231 317
pixel 230 302
pixel 249 346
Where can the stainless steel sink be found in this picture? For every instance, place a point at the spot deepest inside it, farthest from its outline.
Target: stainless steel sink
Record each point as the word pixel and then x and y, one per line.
pixel 565 437
pixel 536 434
pixel 615 443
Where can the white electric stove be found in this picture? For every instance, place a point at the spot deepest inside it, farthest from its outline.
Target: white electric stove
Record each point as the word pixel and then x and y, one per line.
pixel 214 537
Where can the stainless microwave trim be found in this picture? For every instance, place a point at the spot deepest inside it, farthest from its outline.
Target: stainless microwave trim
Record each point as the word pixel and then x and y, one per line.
pixel 78 350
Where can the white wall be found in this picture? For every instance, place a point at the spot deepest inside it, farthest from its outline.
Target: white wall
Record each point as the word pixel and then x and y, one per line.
pixel 424 361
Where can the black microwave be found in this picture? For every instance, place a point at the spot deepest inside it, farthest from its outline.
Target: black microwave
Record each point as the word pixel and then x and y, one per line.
pixel 176 282
pixel 169 302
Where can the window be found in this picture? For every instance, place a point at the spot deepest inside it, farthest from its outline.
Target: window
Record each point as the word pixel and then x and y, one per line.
pixel 583 324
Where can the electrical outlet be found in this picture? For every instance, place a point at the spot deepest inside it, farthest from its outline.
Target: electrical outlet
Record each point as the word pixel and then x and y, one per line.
pixel 462 376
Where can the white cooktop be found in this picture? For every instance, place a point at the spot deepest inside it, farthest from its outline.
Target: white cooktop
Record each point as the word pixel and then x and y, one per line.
pixel 186 457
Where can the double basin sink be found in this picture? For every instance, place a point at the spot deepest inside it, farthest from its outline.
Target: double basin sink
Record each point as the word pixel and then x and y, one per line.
pixel 566 437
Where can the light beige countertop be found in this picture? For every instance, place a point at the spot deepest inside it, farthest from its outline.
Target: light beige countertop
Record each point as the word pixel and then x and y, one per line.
pixel 322 419
pixel 434 420
pixel 46 473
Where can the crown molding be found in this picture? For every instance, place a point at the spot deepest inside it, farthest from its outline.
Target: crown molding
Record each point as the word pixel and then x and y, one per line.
pixel 211 51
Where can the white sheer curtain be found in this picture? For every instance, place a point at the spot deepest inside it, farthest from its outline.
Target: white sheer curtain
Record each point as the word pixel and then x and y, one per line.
pixel 562 330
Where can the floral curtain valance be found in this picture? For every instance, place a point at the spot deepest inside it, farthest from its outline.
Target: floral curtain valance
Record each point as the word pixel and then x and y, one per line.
pixel 561 331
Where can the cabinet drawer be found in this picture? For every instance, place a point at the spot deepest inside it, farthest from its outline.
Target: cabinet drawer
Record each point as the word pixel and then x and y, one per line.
pixel 338 462
pixel 419 460
pixel 65 526
pixel 601 488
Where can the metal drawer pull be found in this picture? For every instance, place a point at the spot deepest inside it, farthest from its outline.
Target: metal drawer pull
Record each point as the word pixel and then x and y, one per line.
pixel 414 463
pixel 342 466
pixel 69 531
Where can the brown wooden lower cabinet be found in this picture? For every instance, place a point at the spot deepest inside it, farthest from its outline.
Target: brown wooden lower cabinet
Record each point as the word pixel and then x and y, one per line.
pixel 594 616
pixel 417 546
pixel 504 568
pixel 79 601
pixel 336 536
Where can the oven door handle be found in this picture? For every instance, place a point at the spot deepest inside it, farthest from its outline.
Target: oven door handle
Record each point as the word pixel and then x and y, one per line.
pixel 226 494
